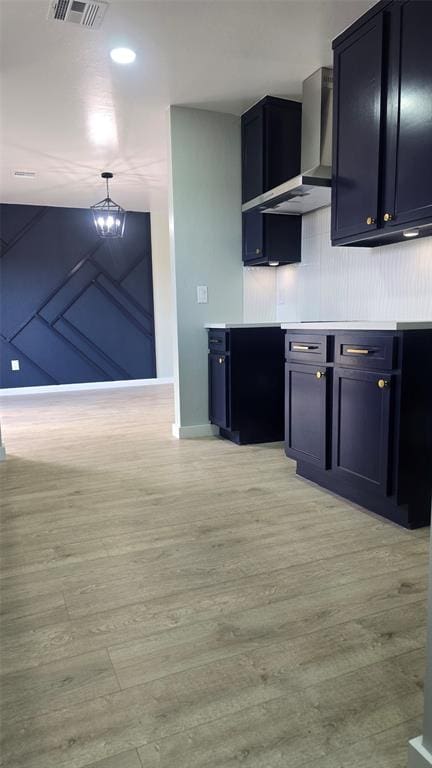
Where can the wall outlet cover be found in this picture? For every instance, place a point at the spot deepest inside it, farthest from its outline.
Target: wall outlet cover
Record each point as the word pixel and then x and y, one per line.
pixel 15 365
pixel 202 294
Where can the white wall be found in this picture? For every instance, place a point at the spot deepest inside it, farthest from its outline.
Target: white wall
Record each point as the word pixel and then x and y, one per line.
pixel 383 283
pixel 205 230
pixel 162 293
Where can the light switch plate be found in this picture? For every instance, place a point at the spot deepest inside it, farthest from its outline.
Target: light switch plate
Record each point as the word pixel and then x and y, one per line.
pixel 202 294
pixel 15 365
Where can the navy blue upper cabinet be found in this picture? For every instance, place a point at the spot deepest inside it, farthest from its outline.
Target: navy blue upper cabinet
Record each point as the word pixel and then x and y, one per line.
pixel 270 238
pixel 382 137
pixel 358 116
pixel 408 189
pixel 271 142
pixel 253 153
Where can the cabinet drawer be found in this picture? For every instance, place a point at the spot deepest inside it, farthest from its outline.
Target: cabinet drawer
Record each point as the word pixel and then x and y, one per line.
pixel 218 341
pixel 306 348
pixel 365 351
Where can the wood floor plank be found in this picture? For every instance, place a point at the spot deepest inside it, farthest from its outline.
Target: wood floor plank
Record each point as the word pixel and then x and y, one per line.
pixel 306 586
pixel 387 749
pixel 161 654
pixel 57 684
pixel 251 616
pixel 326 728
pixel 128 759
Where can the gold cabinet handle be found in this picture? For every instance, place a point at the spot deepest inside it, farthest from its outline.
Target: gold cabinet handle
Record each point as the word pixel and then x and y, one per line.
pixel 221 360
pixel 304 347
pixel 383 383
pixel 320 374
pixel 370 220
pixel 388 217
pixel 354 351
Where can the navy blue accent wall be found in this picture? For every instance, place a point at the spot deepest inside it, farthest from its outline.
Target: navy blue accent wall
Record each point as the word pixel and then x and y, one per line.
pixel 74 307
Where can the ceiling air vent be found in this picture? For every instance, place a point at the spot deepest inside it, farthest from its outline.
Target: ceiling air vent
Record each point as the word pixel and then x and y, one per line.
pixel 24 174
pixel 86 14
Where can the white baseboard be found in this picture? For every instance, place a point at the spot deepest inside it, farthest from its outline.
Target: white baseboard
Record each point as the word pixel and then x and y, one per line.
pixel 54 388
pixel 196 430
pixel 418 755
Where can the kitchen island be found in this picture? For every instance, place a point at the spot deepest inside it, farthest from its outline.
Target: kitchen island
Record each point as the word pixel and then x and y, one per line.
pixel 358 412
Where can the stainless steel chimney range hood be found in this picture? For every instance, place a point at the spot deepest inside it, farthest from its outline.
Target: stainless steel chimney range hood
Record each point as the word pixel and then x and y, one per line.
pixel 312 188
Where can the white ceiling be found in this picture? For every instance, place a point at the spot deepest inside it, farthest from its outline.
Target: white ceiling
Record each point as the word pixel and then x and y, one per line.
pixel 68 112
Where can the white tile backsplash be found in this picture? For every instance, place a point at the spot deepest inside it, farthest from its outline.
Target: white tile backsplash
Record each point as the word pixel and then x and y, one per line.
pixel 259 294
pixel 393 282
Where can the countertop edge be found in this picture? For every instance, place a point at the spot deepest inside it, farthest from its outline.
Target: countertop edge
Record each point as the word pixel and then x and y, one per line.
pixel 227 326
pixel 385 325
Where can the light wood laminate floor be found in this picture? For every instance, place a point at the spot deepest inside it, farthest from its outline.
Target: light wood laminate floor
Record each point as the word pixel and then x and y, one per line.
pixel 193 604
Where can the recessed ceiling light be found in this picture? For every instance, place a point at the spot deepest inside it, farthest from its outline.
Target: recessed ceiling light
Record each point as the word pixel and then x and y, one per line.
pixel 123 55
pixel 411 233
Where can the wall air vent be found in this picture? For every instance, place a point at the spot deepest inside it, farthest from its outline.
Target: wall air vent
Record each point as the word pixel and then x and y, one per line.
pixel 86 14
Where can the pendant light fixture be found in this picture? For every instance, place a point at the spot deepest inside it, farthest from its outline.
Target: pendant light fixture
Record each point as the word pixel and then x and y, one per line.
pixel 109 218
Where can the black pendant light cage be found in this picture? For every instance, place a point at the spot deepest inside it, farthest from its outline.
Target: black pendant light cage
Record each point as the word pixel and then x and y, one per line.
pixel 109 218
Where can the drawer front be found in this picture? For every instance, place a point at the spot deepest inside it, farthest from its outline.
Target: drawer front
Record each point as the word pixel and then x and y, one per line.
pixel 365 351
pixel 306 348
pixel 218 341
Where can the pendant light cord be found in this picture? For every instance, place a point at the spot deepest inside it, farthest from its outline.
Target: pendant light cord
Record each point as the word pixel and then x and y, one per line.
pixel 107 187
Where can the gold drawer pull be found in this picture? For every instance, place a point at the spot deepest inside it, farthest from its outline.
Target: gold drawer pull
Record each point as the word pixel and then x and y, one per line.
pixel 370 220
pixel 388 217
pixel 304 347
pixel 221 360
pixel 320 374
pixel 358 351
pixel 383 383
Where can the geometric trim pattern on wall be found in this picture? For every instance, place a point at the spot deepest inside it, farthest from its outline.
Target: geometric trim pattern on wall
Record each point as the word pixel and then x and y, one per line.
pixel 75 307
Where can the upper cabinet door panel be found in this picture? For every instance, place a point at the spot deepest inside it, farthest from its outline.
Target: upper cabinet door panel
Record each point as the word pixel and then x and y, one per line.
pixel 357 131
pixel 409 151
pixel 252 153
pixel 283 131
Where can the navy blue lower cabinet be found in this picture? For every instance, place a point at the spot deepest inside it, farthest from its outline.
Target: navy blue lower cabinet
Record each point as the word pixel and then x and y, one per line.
pixel 364 430
pixel 219 389
pixel 361 428
pixel 307 413
pixel 246 384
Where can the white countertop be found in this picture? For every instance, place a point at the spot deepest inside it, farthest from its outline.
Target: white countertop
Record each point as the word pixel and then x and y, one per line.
pixel 368 325
pixel 241 325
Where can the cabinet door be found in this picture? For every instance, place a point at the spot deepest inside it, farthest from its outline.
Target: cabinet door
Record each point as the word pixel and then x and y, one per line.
pixel 218 374
pixel 362 429
pixel 408 194
pixel 252 153
pixel 306 413
pixel 357 119
pixel 253 236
